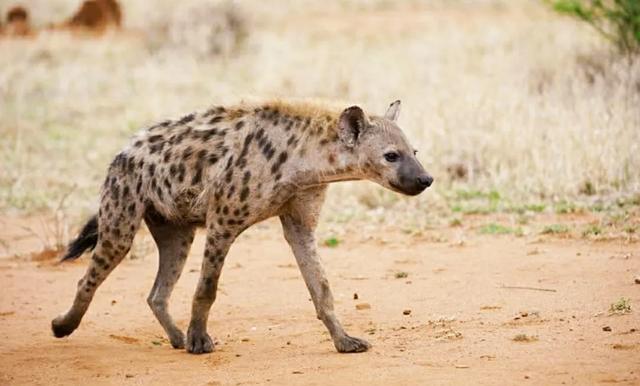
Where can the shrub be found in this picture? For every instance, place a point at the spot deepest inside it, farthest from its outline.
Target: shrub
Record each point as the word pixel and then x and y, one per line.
pixel 617 20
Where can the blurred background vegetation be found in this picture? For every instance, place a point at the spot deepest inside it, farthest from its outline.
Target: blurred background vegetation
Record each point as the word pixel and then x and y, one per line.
pixel 514 107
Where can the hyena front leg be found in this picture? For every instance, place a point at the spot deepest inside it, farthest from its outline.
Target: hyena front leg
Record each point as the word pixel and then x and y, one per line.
pixel 216 248
pixel 118 222
pixel 174 242
pixel 299 223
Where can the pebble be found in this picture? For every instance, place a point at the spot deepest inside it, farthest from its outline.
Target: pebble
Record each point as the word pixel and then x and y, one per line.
pixel 637 280
pixel 406 312
pixel 355 296
pixel 363 306
pixel 606 328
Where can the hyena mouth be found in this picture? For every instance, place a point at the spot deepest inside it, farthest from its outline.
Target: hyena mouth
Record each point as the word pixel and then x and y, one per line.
pixel 406 191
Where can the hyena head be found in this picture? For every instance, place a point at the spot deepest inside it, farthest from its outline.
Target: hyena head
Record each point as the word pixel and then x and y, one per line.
pixel 383 152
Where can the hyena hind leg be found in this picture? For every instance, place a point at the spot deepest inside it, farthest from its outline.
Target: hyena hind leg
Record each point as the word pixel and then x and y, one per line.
pixel 173 242
pixel 114 241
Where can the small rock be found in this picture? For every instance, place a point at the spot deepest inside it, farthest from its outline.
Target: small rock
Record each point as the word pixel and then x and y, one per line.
pixel 245 339
pixel 128 375
pixel 637 280
pixel 363 306
pixel 406 312
pixel 297 372
pixel 606 328
pixel 355 296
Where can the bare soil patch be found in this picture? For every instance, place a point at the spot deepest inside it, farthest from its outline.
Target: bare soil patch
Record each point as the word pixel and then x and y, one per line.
pixel 475 316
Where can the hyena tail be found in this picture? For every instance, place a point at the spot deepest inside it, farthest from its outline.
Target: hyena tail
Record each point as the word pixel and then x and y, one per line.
pixel 87 239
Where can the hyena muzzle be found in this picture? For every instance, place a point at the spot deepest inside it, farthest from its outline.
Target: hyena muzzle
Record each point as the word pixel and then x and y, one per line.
pixel 226 169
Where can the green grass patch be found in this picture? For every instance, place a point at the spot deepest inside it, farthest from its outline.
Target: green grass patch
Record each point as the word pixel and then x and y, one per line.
pixel 497 229
pixel 592 230
pixel 565 207
pixel 455 222
pixel 525 208
pixel 555 229
pixel 473 208
pixel 332 242
pixel 622 306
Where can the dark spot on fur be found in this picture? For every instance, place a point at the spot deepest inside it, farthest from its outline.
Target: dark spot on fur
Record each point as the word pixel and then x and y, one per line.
pixel 154 138
pixel 186 119
pixel 187 153
pixel 268 151
pixel 244 193
pixel 215 120
pixel 232 190
pixel 167 156
pixel 282 158
pixel 197 177
pixel 115 192
pixel 181 172
pixel 229 163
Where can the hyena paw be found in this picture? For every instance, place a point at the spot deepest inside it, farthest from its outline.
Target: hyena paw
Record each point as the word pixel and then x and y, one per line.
pixel 177 339
pixel 61 327
pixel 199 342
pixel 350 344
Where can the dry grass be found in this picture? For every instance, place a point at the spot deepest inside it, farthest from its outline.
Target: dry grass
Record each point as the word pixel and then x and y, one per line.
pixel 497 96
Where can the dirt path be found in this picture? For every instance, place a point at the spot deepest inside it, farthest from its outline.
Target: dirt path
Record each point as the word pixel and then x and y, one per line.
pixel 461 328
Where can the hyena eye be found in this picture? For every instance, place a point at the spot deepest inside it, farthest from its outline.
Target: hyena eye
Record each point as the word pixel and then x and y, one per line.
pixel 391 156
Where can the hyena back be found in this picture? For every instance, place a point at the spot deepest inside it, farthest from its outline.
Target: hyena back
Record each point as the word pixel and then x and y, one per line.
pixel 226 169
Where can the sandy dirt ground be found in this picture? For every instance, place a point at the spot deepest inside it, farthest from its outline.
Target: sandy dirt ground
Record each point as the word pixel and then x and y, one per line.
pixel 467 322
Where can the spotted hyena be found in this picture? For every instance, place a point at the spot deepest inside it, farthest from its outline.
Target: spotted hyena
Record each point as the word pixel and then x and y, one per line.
pixel 226 169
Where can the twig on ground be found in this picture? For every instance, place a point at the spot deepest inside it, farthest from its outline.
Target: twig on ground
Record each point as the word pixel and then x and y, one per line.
pixel 527 288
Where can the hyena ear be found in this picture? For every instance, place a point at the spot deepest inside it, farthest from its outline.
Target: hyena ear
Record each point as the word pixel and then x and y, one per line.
pixel 351 124
pixel 393 112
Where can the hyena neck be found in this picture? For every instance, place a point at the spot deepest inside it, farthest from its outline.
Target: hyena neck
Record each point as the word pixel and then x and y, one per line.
pixel 322 157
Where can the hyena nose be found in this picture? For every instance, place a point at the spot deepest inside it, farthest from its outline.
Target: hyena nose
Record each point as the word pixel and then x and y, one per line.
pixel 425 181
